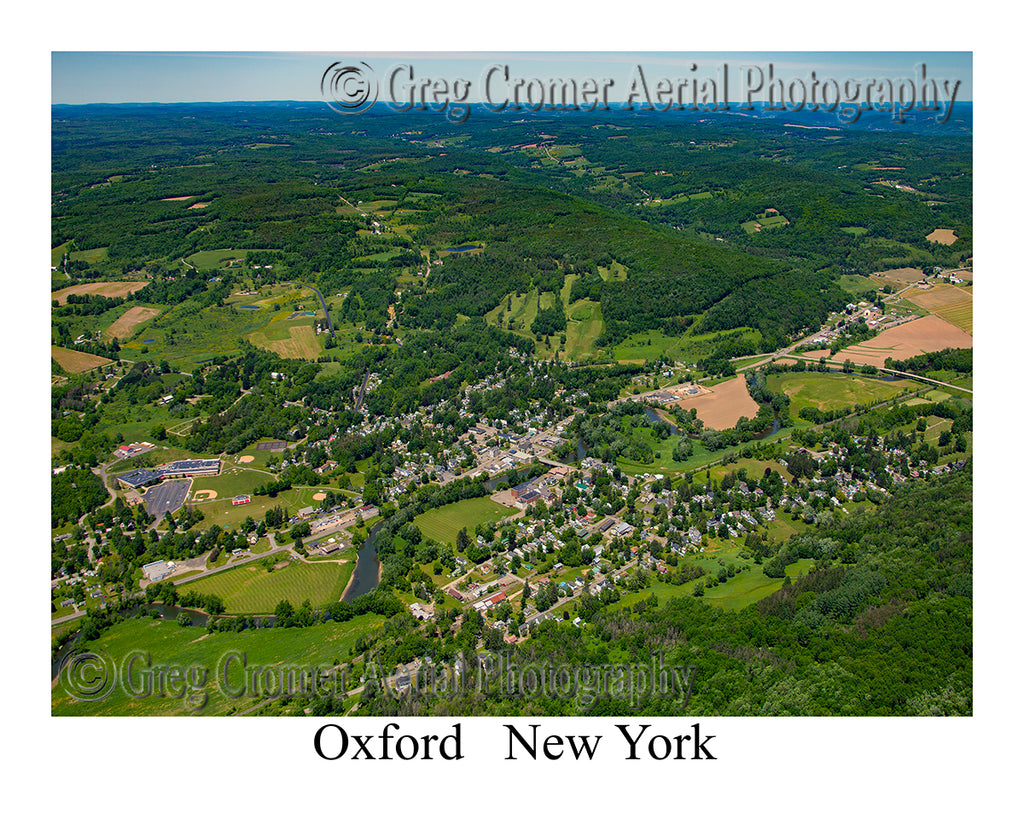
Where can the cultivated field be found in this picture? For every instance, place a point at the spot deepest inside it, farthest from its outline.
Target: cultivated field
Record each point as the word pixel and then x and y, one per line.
pixel 904 275
pixel 124 326
pixel 73 361
pixel 954 304
pixel 251 589
pixel 108 289
pixel 300 342
pixel 944 236
pixel 724 405
pixel 923 335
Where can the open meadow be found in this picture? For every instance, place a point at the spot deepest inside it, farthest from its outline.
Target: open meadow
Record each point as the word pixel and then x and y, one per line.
pixel 833 390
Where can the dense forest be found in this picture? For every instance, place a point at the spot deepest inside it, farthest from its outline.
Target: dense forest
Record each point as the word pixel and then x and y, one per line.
pixel 671 202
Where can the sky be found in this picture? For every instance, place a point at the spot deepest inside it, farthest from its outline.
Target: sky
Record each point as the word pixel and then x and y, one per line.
pixel 79 77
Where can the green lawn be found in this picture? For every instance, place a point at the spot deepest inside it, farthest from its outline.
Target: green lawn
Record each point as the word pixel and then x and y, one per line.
pixel 443 524
pixel 687 347
pixel 745 587
pixel 584 324
pixel 210 259
pixel 750 586
pixel 251 589
pixel 172 646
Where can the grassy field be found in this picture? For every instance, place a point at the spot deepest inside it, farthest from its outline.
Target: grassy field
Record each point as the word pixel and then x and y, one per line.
pixel 186 336
pixel 443 524
pixel 830 391
pixel 663 463
pixel 750 586
pixel 688 348
pixel 171 645
pixel 251 589
pixel 215 259
pixel 856 285
pixel 747 586
pixel 584 324
pixel 289 339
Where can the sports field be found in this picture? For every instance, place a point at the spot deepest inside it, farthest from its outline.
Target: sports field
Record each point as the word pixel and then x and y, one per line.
pixel 251 589
pixel 443 524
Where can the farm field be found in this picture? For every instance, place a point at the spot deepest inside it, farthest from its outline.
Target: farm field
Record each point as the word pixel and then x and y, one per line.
pixel 832 391
pixel 125 325
pixel 948 302
pixel 294 341
pixel 443 524
pixel 857 285
pixel 923 335
pixel 771 218
pixel 185 338
pixel 170 644
pixel 108 289
pixel 725 405
pixel 73 361
pixel 901 275
pixel 251 589
pixel 944 236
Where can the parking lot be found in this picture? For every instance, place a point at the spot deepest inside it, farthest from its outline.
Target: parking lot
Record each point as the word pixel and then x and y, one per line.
pixel 166 497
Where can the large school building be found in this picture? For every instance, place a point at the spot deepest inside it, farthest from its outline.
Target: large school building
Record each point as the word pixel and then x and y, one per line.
pixel 138 478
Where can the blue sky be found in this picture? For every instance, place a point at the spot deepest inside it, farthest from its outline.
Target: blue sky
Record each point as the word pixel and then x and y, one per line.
pixel 114 77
